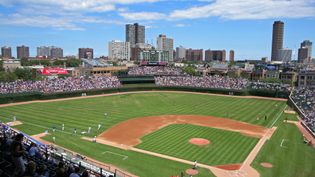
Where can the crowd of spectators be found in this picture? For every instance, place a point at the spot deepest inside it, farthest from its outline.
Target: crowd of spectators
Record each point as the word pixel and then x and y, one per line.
pixel 270 86
pixel 155 71
pixel 60 85
pixel 18 159
pixel 218 82
pixel 304 98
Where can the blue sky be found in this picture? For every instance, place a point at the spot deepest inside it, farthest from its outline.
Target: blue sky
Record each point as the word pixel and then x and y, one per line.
pixel 242 25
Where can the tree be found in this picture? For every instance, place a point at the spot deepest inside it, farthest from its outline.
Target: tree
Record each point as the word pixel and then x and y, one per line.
pixel 69 63
pixel 25 73
pixel 1 65
pixel 190 70
pixel 73 62
pixel 7 76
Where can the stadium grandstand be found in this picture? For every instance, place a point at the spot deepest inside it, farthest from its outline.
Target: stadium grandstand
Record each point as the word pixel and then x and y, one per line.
pixel 45 160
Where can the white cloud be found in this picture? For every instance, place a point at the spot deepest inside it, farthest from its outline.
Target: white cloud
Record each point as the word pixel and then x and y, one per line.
pixel 40 21
pixel 249 9
pixel 143 15
pixel 180 25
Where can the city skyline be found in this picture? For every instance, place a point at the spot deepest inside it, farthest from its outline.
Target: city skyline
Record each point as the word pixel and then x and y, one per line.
pixel 248 32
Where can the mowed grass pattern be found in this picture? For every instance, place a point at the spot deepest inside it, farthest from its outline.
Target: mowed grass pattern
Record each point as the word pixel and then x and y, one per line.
pixel 226 147
pixel 89 112
pixel 84 113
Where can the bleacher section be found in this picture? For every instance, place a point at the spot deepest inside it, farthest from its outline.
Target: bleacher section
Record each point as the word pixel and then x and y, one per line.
pixel 49 157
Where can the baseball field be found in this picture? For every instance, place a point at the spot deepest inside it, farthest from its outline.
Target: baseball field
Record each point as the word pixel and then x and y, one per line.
pixel 149 134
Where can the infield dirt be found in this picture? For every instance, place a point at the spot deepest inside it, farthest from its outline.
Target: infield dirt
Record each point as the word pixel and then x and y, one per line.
pixel 129 132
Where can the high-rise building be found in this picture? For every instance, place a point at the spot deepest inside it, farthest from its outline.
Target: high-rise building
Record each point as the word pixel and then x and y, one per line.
pixel 6 52
pixel 277 39
pixel 165 44
pixel 284 55
pixel 49 52
pixel 118 50
pixel 194 54
pixel 180 53
pixel 232 55
pixel 22 52
pixel 56 52
pixel 43 51
pixel 303 55
pixel 215 55
pixel 86 53
pixel 135 33
pixel 307 44
pixel 139 47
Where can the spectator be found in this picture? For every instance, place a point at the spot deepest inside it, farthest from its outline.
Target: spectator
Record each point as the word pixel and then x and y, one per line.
pixel 85 174
pixel 61 171
pixel 155 71
pixel 33 151
pixel 68 84
pixel 41 172
pixel 17 152
pixel 31 169
pixel 76 172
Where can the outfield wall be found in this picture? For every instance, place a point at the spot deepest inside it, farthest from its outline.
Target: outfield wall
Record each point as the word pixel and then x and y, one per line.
pixel 11 98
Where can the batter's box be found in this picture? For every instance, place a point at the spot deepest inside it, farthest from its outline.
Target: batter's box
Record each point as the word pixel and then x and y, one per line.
pixel 124 157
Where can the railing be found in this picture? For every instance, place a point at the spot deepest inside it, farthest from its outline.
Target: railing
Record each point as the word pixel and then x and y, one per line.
pixel 301 113
pixel 60 154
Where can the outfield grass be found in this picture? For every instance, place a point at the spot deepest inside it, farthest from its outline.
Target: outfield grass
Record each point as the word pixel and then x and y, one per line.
pixel 293 159
pixel 226 147
pixel 84 113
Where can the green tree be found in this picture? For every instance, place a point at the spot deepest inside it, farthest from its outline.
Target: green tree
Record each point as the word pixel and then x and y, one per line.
pixel 25 62
pixel 25 73
pixel 190 70
pixel 73 62
pixel 1 65
pixel 7 76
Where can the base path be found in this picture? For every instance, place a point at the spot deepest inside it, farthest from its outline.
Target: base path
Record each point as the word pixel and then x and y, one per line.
pixel 136 92
pixel 129 132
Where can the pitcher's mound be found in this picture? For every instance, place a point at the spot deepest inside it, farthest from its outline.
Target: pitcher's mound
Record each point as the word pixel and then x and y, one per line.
pixel 199 141
pixel 191 172
pixel 266 165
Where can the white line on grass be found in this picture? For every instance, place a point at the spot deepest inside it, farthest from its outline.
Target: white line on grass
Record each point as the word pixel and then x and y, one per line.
pixel 109 152
pixel 278 116
pixel 281 145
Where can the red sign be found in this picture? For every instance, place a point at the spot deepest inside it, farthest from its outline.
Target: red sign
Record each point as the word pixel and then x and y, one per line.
pixel 50 71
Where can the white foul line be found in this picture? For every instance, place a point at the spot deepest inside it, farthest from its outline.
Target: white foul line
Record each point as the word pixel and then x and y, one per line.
pixel 278 116
pixel 109 152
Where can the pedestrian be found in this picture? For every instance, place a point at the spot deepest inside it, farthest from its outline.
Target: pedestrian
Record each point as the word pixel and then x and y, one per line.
pixel 46 132
pixel 94 139
pixel 74 131
pixel 89 130
pixel 63 127
pixel 54 139
pixel 14 118
pixel 99 126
